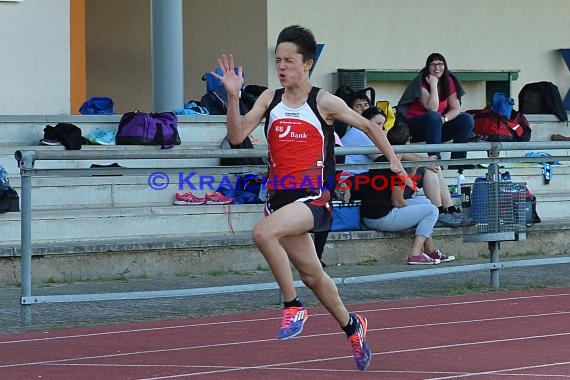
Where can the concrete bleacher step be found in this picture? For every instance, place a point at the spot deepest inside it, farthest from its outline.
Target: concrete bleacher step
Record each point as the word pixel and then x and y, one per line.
pixel 544 126
pixel 134 190
pixel 93 193
pixel 106 191
pixel 29 129
pixel 11 165
pixel 122 208
pixel 200 132
pixel 25 133
pixel 85 209
pixel 532 175
pixel 125 223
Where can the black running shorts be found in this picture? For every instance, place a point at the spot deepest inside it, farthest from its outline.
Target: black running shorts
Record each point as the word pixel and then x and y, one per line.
pixel 318 201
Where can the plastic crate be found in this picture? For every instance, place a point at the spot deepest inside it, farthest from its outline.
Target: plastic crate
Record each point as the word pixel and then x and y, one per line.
pixel 494 210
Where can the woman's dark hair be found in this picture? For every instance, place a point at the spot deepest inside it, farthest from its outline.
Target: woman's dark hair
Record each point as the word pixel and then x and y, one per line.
pixel 370 112
pixel 399 134
pixel 302 37
pixel 442 85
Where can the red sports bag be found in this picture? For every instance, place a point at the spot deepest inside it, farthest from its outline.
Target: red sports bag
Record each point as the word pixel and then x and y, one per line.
pixel 493 127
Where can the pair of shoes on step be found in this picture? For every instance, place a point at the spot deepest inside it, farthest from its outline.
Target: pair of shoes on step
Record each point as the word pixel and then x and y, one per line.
pixel 432 258
pixel 189 199
pixel 293 319
pixel 439 255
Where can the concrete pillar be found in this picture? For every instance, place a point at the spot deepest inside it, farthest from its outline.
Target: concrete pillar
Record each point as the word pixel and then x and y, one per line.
pixel 167 55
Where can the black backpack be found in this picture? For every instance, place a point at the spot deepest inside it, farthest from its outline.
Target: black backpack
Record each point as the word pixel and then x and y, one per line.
pixel 250 94
pixel 542 98
pixel 240 161
pixel 213 102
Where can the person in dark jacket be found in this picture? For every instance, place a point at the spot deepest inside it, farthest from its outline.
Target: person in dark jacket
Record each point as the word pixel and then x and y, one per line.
pixel 431 105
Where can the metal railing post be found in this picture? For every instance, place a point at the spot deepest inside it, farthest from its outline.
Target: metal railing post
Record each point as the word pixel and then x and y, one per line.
pixel 494 250
pixel 26 162
pixel 493 176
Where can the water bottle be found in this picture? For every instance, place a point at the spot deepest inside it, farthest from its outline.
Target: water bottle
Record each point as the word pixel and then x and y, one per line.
pixel 460 181
pixel 262 190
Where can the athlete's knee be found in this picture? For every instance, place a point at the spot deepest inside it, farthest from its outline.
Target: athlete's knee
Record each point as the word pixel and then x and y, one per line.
pixel 260 235
pixel 309 280
pixel 312 280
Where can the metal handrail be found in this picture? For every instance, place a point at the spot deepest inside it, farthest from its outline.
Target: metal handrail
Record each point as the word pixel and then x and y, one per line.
pixel 154 152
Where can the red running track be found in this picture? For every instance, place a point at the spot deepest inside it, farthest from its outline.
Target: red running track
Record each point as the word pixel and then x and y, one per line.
pixel 504 335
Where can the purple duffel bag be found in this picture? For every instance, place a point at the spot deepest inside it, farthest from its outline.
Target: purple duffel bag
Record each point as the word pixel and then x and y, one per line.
pixel 140 128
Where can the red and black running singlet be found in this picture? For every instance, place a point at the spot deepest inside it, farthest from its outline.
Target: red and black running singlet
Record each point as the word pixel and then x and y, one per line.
pixel 301 145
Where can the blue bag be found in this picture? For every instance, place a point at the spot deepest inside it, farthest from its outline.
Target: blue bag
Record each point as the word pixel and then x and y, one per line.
pixel 192 108
pixel 99 105
pixel 502 105
pixel 215 100
pixel 245 191
pixel 213 83
pixel 4 181
pixel 346 216
pixel 479 210
pixel 481 205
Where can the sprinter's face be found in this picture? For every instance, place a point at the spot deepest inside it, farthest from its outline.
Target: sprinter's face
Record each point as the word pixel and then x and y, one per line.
pixel 289 64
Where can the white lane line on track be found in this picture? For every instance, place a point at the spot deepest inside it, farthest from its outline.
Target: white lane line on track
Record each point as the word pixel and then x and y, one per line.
pixel 224 369
pixel 188 348
pixel 501 371
pixel 344 357
pixel 243 368
pixel 130 331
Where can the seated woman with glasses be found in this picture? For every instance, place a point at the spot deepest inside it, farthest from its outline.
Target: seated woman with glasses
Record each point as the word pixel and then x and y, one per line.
pixel 430 103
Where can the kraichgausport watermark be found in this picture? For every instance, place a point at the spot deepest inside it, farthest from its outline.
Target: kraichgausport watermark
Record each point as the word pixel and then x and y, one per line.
pixel 193 181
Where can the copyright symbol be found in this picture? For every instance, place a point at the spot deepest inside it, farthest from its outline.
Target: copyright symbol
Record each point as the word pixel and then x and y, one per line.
pixel 158 181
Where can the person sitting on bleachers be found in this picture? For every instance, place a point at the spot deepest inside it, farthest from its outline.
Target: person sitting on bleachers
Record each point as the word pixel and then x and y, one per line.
pixel 431 105
pixel 385 209
pixel 430 178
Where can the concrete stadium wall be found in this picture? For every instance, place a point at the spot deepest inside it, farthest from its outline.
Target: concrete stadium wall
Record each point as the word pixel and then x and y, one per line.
pixel 119 53
pixel 214 27
pixel 34 58
pixel 483 34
